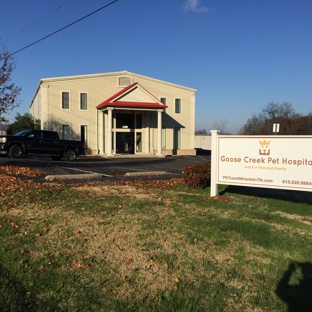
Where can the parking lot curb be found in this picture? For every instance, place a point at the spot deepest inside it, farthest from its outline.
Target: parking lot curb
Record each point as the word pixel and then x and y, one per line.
pixel 145 173
pixel 74 176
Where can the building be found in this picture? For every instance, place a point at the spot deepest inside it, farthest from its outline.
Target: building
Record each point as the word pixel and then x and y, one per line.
pixel 118 113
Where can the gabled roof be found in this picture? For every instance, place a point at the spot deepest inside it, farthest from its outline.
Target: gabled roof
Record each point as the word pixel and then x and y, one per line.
pixel 127 98
pixel 104 75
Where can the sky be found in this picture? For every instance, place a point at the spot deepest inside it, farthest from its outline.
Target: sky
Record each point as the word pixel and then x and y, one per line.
pixel 239 55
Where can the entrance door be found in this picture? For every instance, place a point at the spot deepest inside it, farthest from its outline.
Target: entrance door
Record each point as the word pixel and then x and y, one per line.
pixel 125 142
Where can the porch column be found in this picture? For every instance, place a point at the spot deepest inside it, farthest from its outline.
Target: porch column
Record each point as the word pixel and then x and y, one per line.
pixel 109 132
pixel 159 125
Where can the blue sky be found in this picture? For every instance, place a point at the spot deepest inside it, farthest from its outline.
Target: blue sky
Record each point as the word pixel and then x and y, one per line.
pixel 239 55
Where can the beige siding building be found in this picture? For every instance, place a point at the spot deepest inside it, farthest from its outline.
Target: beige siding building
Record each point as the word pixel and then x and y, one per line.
pixel 118 113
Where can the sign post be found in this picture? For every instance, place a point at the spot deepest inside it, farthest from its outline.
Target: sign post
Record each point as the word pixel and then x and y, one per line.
pixel 275 128
pixel 214 163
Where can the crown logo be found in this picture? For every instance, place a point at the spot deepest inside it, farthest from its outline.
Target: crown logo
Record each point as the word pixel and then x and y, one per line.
pixel 264 149
pixel 266 143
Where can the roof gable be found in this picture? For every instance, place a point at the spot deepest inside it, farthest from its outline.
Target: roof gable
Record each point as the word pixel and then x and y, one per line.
pixel 133 96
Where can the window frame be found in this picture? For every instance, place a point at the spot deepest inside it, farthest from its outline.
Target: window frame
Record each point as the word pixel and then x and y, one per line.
pixel 80 102
pixel 62 101
pixel 178 101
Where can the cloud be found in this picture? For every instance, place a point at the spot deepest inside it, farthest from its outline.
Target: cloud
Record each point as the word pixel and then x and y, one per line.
pixel 193 5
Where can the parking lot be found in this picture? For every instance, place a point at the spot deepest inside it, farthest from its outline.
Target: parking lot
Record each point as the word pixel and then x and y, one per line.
pixel 96 168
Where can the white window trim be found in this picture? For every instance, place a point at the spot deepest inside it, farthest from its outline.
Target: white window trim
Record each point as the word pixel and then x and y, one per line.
pixel 88 101
pixel 69 100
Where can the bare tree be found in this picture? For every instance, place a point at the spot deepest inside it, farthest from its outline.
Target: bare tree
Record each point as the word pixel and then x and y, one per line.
pixel 290 122
pixel 9 92
pixel 201 131
pixel 220 125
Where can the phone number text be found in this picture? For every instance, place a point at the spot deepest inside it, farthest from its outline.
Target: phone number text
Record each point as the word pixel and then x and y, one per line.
pixel 297 182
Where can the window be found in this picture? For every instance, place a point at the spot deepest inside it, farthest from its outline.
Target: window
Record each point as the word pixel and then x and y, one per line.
pixel 125 121
pixel 36 134
pixel 164 101
pixel 50 135
pixel 178 106
pixel 65 100
pixel 84 135
pixel 177 138
pixel 65 132
pixel 138 122
pixel 163 138
pixel 83 101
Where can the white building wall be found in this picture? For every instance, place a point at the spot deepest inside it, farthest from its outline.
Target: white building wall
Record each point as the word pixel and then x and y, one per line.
pixel 47 105
pixel 203 141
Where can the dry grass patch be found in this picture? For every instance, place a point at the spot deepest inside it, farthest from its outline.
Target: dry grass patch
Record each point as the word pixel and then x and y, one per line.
pixel 302 219
pixel 146 247
pixel 121 190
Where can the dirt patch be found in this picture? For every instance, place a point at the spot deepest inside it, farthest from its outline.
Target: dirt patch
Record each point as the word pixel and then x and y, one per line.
pixel 222 198
pixel 121 190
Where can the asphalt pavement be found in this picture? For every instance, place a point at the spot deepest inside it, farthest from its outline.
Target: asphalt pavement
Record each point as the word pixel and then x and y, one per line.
pixel 96 168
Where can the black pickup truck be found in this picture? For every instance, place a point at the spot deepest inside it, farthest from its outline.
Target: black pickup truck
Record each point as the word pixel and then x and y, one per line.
pixel 40 142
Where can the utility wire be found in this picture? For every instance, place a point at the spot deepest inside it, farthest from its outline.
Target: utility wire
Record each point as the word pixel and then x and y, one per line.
pixel 5 5
pixel 38 21
pixel 103 7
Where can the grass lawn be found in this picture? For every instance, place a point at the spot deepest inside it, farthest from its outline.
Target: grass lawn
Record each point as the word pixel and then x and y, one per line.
pixel 155 246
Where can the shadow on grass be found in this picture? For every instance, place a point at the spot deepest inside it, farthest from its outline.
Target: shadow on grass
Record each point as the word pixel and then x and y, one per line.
pixel 14 297
pixel 289 195
pixel 295 287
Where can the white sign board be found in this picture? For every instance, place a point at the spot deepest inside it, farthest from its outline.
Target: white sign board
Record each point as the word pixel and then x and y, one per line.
pixel 282 162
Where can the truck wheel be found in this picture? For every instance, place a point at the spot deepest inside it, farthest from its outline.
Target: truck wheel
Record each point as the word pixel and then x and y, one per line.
pixel 15 151
pixel 70 155
pixel 56 157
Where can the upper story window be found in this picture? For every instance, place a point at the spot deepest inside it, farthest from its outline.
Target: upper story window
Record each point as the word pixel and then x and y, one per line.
pixel 177 106
pixel 65 100
pixel 83 101
pixel 164 101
